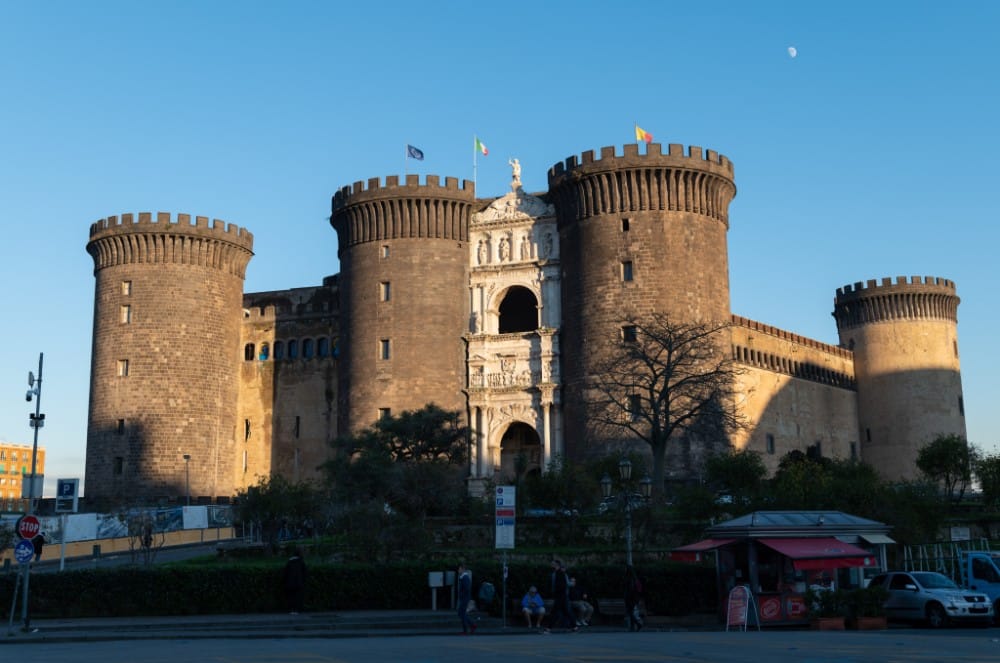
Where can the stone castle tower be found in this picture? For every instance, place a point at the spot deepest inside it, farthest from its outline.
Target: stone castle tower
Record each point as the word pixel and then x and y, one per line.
pixel 403 296
pixel 904 336
pixel 494 307
pixel 640 234
pixel 164 383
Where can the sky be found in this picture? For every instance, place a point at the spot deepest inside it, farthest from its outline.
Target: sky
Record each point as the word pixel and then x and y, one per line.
pixel 870 153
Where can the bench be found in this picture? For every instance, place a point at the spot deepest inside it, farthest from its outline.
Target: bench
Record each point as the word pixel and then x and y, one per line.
pixel 615 608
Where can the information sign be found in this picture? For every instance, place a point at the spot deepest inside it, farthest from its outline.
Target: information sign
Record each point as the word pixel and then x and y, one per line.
pixel 24 551
pixel 67 500
pixel 506 501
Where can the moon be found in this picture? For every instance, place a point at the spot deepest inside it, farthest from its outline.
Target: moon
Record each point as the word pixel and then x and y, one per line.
pixel 792 51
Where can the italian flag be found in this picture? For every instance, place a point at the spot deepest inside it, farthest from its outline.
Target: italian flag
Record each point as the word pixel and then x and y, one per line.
pixel 642 136
pixel 480 147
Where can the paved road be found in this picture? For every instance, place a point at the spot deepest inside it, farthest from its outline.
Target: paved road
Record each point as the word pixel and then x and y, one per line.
pixel 770 646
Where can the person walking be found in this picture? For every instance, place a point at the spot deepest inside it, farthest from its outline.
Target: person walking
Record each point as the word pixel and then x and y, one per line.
pixel 464 598
pixel 561 613
pixel 633 594
pixel 295 582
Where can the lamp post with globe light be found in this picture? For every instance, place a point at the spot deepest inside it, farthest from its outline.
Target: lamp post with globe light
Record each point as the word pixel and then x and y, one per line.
pixel 626 498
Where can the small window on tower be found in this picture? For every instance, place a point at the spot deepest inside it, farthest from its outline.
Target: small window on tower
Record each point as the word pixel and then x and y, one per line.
pixel 384 413
pixel 634 406
pixel 298 426
pixel 961 406
pixel 126 314
pixel 126 288
pixel 121 427
pixel 248 352
pixel 629 334
pixel 384 291
pixel 626 270
pixel 384 349
pixel 385 250
pixel 625 225
pixel 123 368
pixel 770 443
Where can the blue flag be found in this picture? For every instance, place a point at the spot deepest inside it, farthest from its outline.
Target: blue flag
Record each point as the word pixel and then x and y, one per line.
pixel 414 153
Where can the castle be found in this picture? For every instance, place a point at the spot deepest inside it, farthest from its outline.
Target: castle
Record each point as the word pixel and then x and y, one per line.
pixel 489 306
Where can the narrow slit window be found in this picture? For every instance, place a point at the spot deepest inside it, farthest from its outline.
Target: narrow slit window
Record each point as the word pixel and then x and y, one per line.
pixel 626 270
pixel 384 413
pixel 385 291
pixel 123 368
pixel 770 443
pixel 384 350
pixel 625 224
pixel 126 288
pixel 126 314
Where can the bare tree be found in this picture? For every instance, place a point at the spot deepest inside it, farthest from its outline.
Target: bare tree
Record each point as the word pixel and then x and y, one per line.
pixel 661 380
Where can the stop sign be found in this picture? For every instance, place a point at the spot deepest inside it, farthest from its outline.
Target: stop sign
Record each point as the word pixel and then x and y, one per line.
pixel 28 527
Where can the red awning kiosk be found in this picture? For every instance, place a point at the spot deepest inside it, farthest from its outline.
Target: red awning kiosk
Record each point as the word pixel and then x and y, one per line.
pixel 779 555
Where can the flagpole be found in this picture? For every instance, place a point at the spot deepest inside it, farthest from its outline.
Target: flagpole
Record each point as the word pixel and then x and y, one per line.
pixel 475 162
pixel 406 161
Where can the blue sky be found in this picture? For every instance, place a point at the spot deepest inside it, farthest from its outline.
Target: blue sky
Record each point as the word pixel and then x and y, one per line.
pixel 870 154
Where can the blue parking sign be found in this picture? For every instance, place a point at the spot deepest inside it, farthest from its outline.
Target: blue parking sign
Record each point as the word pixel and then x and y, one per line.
pixel 24 551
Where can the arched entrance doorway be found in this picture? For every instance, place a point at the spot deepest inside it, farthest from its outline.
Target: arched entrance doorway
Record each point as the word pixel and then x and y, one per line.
pixel 520 441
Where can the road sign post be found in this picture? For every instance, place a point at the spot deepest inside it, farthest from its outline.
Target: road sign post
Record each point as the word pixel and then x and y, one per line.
pixel 28 527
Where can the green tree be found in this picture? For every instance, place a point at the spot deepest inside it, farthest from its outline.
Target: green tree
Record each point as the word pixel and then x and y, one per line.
pixel 413 463
pixel 949 461
pixel 661 380
pixel 737 473
pixel 275 505
pixel 988 473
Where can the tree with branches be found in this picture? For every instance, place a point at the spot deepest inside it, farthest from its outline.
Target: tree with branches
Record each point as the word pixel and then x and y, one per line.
pixel 661 380
pixel 949 460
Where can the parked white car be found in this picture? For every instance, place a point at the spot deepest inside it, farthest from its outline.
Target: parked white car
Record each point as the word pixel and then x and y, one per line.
pixel 932 598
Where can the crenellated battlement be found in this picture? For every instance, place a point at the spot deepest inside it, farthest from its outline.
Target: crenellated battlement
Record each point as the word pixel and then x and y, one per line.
pixel 696 181
pixel 164 222
pixel 913 298
pixel 378 212
pixel 260 314
pixel 676 156
pixel 412 188
pixel 867 287
pixel 791 337
pixel 221 246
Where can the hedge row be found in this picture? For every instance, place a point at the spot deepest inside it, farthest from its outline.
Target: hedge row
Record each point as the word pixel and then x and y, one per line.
pixel 234 589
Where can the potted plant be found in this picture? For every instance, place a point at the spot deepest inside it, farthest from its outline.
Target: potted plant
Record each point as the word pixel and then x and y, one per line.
pixel 866 607
pixel 827 609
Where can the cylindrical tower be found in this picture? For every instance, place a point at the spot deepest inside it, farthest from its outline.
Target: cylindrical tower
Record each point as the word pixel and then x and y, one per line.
pixel 640 234
pixel 164 369
pixel 905 341
pixel 404 296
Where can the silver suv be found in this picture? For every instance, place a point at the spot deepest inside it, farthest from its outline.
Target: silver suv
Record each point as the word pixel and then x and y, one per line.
pixel 932 598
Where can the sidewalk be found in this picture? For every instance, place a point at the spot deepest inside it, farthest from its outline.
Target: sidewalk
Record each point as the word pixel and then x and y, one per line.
pixel 348 624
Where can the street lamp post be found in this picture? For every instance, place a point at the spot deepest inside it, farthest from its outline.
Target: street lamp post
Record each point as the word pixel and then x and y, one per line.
pixel 627 498
pixel 187 478
pixel 37 420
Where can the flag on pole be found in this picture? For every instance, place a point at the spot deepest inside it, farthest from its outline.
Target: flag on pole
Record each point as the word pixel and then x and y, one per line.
pixel 414 153
pixel 480 147
pixel 643 136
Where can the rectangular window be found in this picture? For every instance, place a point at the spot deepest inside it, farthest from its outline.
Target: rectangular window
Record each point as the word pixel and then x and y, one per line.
pixel 626 270
pixel 121 426
pixel 126 314
pixel 126 288
pixel 961 406
pixel 634 406
pixel 854 450
pixel 246 430
pixel 770 443
pixel 383 349
pixel 629 334
pixel 625 224
pixel 298 424
pixel 244 461
pixel 384 291
pixel 868 435
pixel 385 250
pixel 119 466
pixel 123 368
pixel 384 413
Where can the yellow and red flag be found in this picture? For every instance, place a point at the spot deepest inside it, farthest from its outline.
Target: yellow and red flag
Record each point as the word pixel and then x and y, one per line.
pixel 643 136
